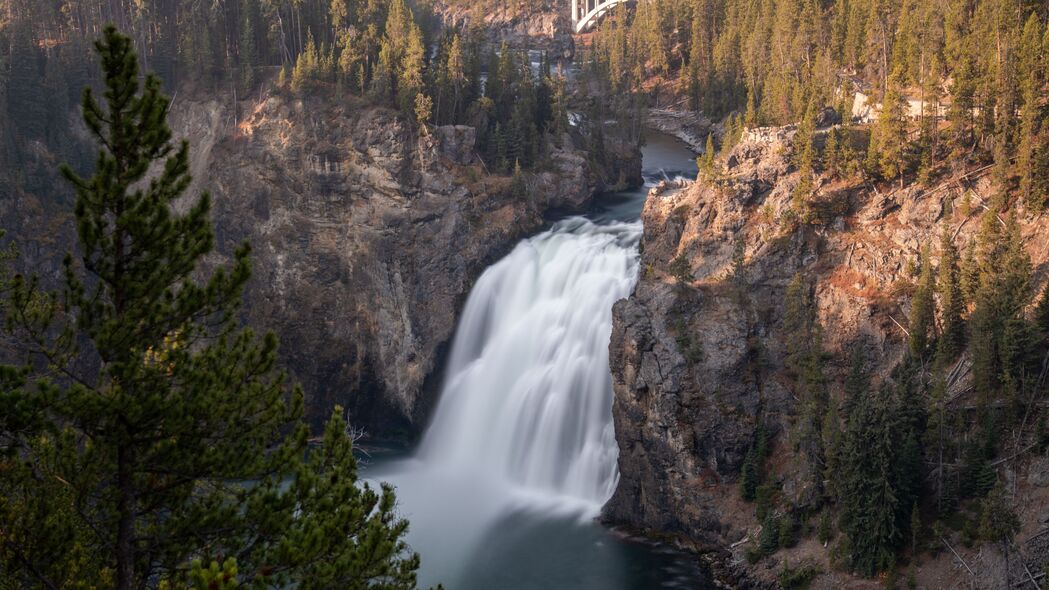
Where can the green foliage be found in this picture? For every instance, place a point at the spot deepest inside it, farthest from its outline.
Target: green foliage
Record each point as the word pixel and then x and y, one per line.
pixel 805 161
pixel 707 162
pixel 888 148
pixel 952 304
pixel 923 308
pixel 739 268
pixel 788 531
pixel 752 473
pixel 763 499
pixel 518 188
pixel 799 577
pixel 155 431
pixel 768 542
pixel 214 576
pixel 825 527
pixel 870 503
pixel 681 270
pixel 1001 339
pixel 998 520
pixel 749 478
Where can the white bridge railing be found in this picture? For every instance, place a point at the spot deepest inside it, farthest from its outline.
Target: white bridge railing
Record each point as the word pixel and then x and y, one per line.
pixel 586 13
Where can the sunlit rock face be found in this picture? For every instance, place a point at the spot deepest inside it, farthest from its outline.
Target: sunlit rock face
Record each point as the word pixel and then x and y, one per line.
pixel 368 234
pixel 694 368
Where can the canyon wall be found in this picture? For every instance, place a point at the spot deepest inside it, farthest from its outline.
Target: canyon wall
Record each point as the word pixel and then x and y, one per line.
pixel 697 364
pixel 367 234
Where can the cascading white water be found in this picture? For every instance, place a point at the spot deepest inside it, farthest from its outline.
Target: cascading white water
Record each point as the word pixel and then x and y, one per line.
pixel 528 396
pixel 524 422
pixel 521 453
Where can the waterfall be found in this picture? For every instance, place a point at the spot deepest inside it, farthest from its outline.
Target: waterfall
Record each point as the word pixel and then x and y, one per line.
pixel 527 401
pixel 520 454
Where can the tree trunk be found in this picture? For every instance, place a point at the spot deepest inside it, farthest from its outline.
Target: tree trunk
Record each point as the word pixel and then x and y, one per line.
pixel 125 528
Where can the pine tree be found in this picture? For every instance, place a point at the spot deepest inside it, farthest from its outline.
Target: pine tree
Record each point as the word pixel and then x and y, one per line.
pixel 518 187
pixel 707 162
pixel 999 523
pixel 456 76
pixel 153 407
pixel 410 75
pixel 307 66
pixel 952 327
pixel 970 274
pixel 889 140
pixel 870 505
pixel 832 441
pixel 922 308
pixel 768 541
pixel 799 322
pixel 749 479
pixel 1041 313
pixel 908 418
pixel 805 160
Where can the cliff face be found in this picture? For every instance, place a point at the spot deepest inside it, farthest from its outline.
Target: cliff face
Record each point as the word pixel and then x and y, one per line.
pixel 543 25
pixel 695 366
pixel 367 235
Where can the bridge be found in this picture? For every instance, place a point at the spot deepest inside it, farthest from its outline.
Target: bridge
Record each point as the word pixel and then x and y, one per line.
pixel 586 13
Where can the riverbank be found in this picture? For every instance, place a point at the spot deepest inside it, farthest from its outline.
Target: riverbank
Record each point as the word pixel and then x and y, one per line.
pixel 690 127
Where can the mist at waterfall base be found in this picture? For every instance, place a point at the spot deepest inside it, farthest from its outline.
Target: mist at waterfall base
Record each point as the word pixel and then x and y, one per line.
pixel 521 454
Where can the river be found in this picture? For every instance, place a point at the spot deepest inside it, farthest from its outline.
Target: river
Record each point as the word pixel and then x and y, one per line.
pixel 503 491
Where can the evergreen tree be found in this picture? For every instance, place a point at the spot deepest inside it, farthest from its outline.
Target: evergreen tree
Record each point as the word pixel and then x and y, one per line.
pixel 999 523
pixel 1041 313
pixel 307 66
pixel 889 143
pixel 832 441
pixel 805 160
pixel 768 541
pixel 952 328
pixel 518 188
pixel 870 504
pixel 154 408
pixel 410 75
pixel 908 418
pixel 922 308
pixel 707 162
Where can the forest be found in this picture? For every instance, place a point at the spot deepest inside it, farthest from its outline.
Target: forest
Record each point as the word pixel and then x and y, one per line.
pixel 960 80
pixel 382 52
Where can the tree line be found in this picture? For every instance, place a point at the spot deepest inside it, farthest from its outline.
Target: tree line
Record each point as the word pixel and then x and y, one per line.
pixel 386 52
pixel 963 80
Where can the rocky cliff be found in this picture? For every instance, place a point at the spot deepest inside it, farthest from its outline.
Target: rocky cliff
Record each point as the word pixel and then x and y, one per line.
pixel 543 25
pixel 697 363
pixel 367 234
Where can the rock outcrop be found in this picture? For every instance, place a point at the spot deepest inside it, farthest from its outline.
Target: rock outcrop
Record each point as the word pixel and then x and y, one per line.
pixel 367 235
pixel 543 25
pixel 697 363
